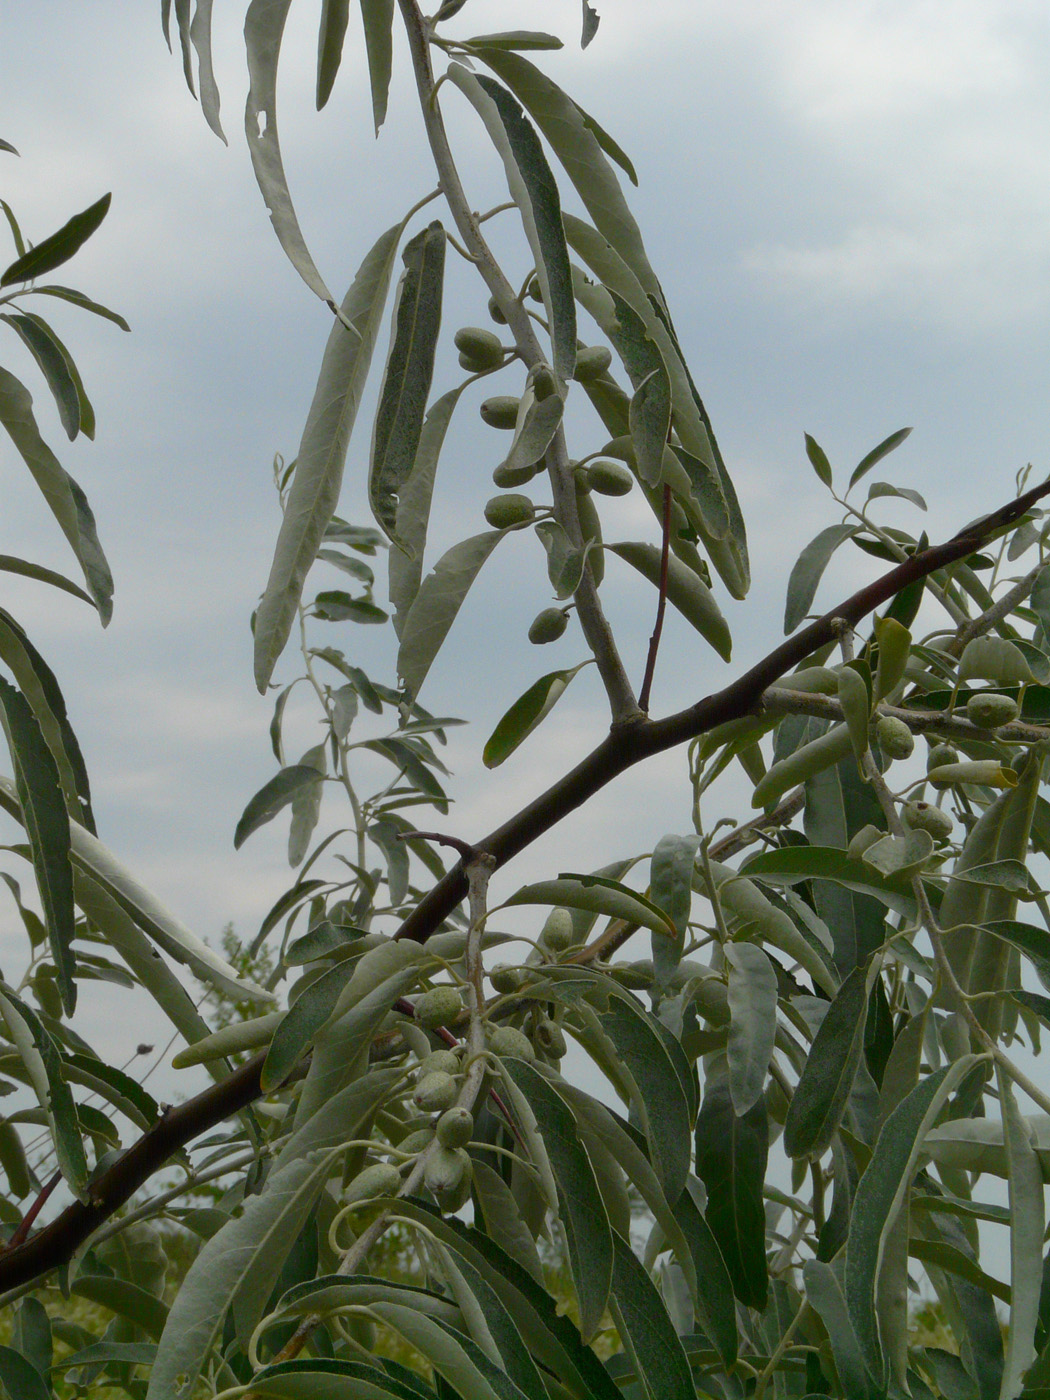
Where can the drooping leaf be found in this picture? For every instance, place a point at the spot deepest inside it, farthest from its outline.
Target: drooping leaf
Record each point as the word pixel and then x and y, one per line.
pixel 587 1232
pixel 715 1301
pixel 79 299
pixel 436 604
pixel 671 887
pixel 409 370
pixel 124 1298
pixel 55 366
pixel 647 1330
pixel 451 1354
pixel 685 590
pixel 1027 1222
pixel 335 15
pixel 826 1081
pixel 272 797
pixel 535 192
pixel 752 1024
pixel 598 896
pixel 731 1154
pixel 263 32
pixel 66 500
pixel 378 17
pixel 200 37
pixel 527 712
pixel 322 451
pixel 9 564
pixel 20 1378
pixel 807 572
pixel 59 247
pixel 47 826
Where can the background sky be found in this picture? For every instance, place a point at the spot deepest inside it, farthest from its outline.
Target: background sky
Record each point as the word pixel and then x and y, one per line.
pixel 847 205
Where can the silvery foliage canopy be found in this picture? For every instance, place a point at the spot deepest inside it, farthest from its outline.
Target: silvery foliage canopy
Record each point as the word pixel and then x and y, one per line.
pixel 815 1027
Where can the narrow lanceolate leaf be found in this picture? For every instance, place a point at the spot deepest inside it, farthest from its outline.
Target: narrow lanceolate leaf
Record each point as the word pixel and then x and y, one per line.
pixel 79 299
pixel 378 18
pixel 597 896
pixel 818 460
pixel 322 452
pixel 647 1331
pixel 436 604
pixel 20 1378
pixel 810 566
pixel 1027 1221
pixel 671 887
pixel 538 421
pixel 53 251
pixel 310 1011
pixel 535 192
pixel 731 1157
pixel 43 1063
pixel 876 455
pixel 452 1355
pixel 245 1257
pixel 650 419
pixel 263 32
pixel 685 590
pixel 409 370
pixel 880 1194
pixel 47 350
pixel 587 1232
pixel 200 37
pixel 330 38
pixel 753 1022
pixel 715 1301
pixel 271 797
pixel 525 715
pixel 824 1086
pixel 67 501
pixel 47 826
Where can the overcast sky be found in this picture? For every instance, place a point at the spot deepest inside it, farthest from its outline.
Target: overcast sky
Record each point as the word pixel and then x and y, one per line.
pixel 846 202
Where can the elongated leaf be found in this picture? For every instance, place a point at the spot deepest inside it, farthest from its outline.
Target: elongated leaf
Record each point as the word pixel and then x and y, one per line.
pixel 409 370
pixel 826 1081
pixel 501 1219
pixel 689 594
pixel 818 459
pixel 413 509
pixel 808 570
pixel 334 1378
pixel 47 350
pixel 272 797
pixel 20 1378
pixel 125 1299
pixel 9 564
pixel 647 1330
pixel 378 17
pixel 66 500
pixel 731 1157
pixel 564 561
pixel 527 712
pixel 47 826
pixel 322 451
pixel 515 39
pixel 535 192
pixel 40 1056
pixel 435 606
pixel 671 887
pixel 1027 1221
pixel 79 299
pixel 335 15
pixel 263 31
pixel 824 1293
pixel 885 447
pixel 200 37
pixel 753 1023
pixel 880 1194
pixel 650 420
pixel 246 1255
pixel 305 1018
pixel 715 1303
pixel 794 863
pixel 597 896
pixel 452 1355
pixel 587 1232
pixel 539 420
pixel 59 247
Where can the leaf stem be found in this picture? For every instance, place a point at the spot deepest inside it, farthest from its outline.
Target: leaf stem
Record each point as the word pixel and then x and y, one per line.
pixel 661 606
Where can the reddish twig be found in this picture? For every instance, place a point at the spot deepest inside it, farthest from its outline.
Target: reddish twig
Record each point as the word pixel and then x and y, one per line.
pixel 661 608
pixel 26 1223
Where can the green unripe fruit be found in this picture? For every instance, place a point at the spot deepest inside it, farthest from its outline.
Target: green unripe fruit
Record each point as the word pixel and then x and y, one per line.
pixel 895 738
pixel 501 411
pixel 442 1060
pixel 923 816
pixel 445 1171
pixel 455 1127
pixel 622 448
pixel 534 289
pixel 478 346
pixel 550 1038
pixel 557 933
pixel 512 509
pixel 438 1007
pixel 941 754
pixel 989 711
pixel 415 1142
pixel 548 626
pixel 542 382
pixel 435 1092
pixel 865 837
pixel 380 1179
pixel 609 478
pixel 496 314
pixel 507 475
pixel 506 979
pixel 507 1040
pixel 592 362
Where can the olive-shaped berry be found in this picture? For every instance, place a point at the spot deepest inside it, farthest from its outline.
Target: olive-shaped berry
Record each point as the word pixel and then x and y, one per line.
pixel 534 290
pixel 480 347
pixel 550 1038
pixel 609 478
pixel 622 448
pixel 501 411
pixel 941 754
pixel 557 933
pixel 435 1092
pixel 415 1142
pixel 512 509
pixel 542 382
pixel 508 1040
pixel 496 314
pixel 438 1007
pixel 895 738
pixel 445 1169
pixel 989 711
pixel 924 816
pixel 507 475
pixel 380 1179
pixel 455 1127
pixel 592 362
pixel 548 626
pixel 443 1060
pixel 506 979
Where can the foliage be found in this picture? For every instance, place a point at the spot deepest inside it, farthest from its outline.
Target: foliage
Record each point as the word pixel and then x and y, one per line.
pixel 817 1064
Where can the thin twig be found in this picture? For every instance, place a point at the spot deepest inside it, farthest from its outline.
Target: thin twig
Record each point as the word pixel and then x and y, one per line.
pixel 661 605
